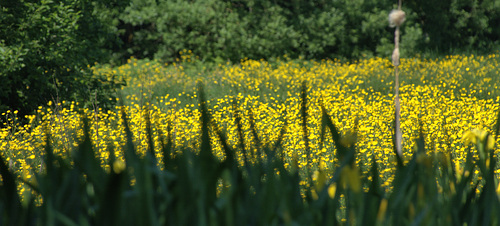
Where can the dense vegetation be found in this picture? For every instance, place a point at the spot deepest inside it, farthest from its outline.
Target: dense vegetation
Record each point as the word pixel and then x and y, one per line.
pixel 248 112
pixel 46 46
pixel 229 30
pixel 449 108
pixel 191 186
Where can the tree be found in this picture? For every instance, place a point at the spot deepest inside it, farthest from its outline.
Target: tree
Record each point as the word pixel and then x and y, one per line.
pixel 45 49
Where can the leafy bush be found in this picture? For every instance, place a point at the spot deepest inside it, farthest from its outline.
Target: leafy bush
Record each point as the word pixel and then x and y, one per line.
pixel 45 49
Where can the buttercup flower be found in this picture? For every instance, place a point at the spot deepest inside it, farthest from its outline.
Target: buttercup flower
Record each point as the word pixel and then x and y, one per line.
pixel 478 135
pixel 469 137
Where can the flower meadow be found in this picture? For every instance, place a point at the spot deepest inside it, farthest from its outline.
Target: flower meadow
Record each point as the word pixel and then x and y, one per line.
pixel 447 104
pixel 445 98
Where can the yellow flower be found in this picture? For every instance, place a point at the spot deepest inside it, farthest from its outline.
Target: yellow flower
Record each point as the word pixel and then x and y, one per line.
pixel 480 133
pixel 118 166
pixel 490 144
pixel 469 137
pixel 498 189
pixel 477 135
pixel 331 190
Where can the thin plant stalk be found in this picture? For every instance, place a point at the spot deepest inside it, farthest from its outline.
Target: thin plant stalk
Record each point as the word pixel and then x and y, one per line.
pixel 396 18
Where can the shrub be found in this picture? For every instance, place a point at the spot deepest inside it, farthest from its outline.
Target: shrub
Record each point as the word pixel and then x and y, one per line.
pixel 45 49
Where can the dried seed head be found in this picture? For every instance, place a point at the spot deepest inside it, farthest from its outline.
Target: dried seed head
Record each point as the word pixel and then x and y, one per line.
pixel 395 57
pixel 396 17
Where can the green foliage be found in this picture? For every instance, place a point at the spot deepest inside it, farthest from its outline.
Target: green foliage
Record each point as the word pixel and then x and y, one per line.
pixel 458 24
pixel 227 30
pixel 194 188
pixel 45 48
pixel 231 30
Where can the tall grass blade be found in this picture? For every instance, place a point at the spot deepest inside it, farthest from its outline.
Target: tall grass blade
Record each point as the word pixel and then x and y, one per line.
pixel 342 150
pixel 225 146
pixel 372 199
pixel 167 149
pixel 303 111
pixel 205 148
pixel 149 135
pixel 253 129
pixel 11 209
pixel 497 125
pixel 209 169
pixel 130 154
pixel 111 198
pixel 279 141
pixel 239 127
pixel 375 185
pixel 86 161
pixel 327 121
pixel 146 215
pixel 488 198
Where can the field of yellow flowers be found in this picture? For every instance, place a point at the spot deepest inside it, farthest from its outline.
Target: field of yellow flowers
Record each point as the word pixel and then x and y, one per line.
pixel 444 98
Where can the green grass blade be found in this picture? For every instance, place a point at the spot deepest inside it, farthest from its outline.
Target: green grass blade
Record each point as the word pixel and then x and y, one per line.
pixel 253 129
pixel 327 121
pixel 131 157
pixel 149 135
pixel 85 159
pixel 12 203
pixel 207 159
pixel 497 125
pixel 167 149
pixel 239 127
pixel 279 141
pixel 304 116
